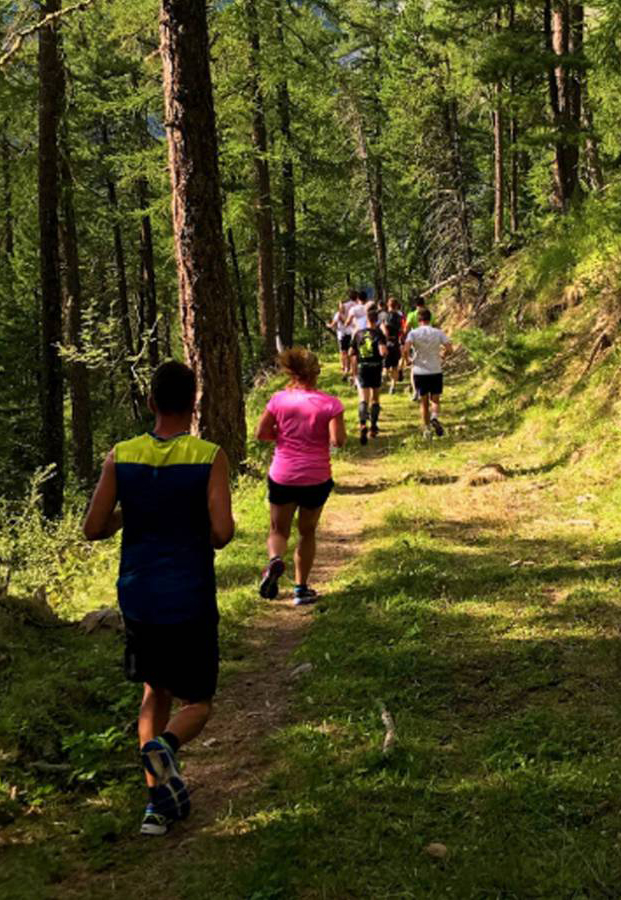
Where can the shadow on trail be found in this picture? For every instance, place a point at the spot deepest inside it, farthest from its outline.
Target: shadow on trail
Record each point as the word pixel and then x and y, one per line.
pixel 508 731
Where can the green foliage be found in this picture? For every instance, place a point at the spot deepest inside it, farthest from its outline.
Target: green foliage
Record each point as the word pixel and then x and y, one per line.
pixel 511 355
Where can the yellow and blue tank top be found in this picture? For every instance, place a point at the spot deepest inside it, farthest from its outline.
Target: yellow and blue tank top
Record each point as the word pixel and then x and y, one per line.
pixel 167 560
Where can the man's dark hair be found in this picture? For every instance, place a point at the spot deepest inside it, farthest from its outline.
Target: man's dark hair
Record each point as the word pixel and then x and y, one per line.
pixel 353 295
pixel 362 296
pixel 420 302
pixel 424 315
pixel 372 315
pixel 173 388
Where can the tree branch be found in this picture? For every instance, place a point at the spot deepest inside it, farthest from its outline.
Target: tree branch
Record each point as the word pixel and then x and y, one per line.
pixel 18 39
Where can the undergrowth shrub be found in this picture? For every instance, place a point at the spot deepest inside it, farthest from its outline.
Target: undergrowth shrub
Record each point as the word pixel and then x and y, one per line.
pixel 36 553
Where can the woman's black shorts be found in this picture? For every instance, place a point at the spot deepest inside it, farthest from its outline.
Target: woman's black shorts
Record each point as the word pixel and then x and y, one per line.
pixel 183 657
pixel 307 496
pixel 370 376
pixel 345 343
pixel 429 384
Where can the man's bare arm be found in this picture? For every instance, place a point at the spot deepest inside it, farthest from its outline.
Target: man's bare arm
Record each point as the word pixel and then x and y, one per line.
pixel 219 502
pixel 103 519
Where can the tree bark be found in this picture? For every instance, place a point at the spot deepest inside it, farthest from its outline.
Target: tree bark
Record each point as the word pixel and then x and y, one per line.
pixel 263 202
pixel 499 174
pixel 7 194
pixel 51 88
pixel 514 179
pixel 147 275
pixel 376 214
pixel 121 283
pixel 564 28
pixel 594 172
pixel 459 181
pixel 205 298
pixel 289 238
pixel 241 298
pixel 79 386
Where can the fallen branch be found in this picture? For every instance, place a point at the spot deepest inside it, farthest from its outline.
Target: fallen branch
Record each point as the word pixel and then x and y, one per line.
pixel 451 280
pixel 602 343
pixel 19 38
pixel 391 732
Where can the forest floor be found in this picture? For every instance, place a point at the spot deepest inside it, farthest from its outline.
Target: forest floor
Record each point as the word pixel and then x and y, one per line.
pixel 485 617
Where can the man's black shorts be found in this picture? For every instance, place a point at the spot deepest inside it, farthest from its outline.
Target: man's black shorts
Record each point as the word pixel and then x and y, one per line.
pixel 429 384
pixel 182 657
pixel 345 343
pixel 307 496
pixel 393 357
pixel 370 376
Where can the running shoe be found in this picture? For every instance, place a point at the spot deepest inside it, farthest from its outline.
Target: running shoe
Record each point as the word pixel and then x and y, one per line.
pixel 435 424
pixel 269 578
pixel 345 379
pixel 160 813
pixel 159 761
pixel 364 432
pixel 304 596
pixel 154 823
pixel 391 389
pixel 426 434
pixel 374 431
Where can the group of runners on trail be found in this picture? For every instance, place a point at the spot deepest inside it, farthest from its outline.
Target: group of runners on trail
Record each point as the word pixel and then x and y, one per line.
pixel 169 493
pixel 377 340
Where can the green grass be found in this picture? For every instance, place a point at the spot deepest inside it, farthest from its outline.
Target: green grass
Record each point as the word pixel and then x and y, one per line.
pixel 485 619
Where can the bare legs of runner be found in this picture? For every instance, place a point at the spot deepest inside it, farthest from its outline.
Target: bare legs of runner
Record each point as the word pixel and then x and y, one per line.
pixel 154 719
pixel 280 530
pixel 429 408
pixel 368 408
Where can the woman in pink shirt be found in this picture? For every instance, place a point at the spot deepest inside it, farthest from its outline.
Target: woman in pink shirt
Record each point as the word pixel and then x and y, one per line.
pixel 304 423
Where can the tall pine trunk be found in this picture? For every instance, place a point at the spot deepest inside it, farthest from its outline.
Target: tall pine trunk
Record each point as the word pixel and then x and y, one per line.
pixel 593 165
pixel 121 284
pixel 79 385
pixel 205 298
pixel 499 168
pixel 263 202
pixel 51 89
pixel 499 154
pixel 289 239
pixel 8 238
pixel 241 298
pixel 147 274
pixel 563 23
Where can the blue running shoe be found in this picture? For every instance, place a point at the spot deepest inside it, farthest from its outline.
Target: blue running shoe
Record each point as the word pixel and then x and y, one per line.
pixel 154 823
pixel 304 596
pixel 159 761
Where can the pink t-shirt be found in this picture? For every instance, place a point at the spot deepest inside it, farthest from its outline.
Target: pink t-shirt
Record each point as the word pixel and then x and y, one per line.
pixel 302 454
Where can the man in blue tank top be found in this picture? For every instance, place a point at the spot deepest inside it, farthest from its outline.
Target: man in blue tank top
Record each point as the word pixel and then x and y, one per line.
pixel 169 493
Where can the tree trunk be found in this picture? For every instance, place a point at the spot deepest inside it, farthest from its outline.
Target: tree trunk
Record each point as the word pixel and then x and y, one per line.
pixel 206 303
pixel 289 239
pixel 376 214
pixel 241 298
pixel 563 27
pixel 81 425
pixel 147 274
pixel 451 120
pixel 594 172
pixel 7 195
pixel 263 203
pixel 514 179
pixel 122 292
pixel 51 88
pixel 499 174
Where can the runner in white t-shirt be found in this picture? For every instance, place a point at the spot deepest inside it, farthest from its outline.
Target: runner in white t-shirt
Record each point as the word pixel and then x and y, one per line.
pixel 428 346
pixel 343 336
pixel 357 318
